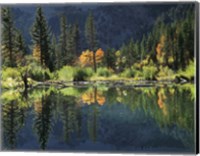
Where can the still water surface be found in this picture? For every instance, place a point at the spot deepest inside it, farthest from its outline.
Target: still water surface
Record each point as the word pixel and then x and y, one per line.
pixel 116 119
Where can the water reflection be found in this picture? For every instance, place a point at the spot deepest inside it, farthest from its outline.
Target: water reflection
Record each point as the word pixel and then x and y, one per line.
pixel 100 118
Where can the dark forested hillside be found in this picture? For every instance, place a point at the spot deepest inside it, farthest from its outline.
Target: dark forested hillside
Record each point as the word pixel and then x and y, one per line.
pixel 115 23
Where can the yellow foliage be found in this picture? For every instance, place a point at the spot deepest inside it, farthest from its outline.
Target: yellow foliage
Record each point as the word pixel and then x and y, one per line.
pixel 117 53
pixel 38 106
pixel 170 59
pixel 91 98
pixel 36 52
pixel 86 58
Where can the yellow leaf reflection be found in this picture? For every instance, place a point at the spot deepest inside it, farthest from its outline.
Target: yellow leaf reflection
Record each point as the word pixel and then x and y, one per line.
pixel 161 101
pixel 92 97
pixel 38 105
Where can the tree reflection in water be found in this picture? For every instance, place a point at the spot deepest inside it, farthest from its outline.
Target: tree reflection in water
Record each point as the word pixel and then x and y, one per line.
pixel 112 116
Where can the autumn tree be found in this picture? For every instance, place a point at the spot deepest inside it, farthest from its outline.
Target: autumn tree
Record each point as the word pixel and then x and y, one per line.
pixel 90 35
pixel 40 36
pixel 86 57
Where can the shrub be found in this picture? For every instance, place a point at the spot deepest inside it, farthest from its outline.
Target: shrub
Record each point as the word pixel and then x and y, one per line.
pixel 149 72
pixel 89 71
pixel 128 73
pixel 103 71
pixel 165 72
pixel 10 73
pixel 40 74
pixel 189 72
pixel 80 75
pixel 66 73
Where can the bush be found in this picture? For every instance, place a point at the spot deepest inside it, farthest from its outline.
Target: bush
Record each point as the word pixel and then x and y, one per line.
pixel 189 72
pixel 165 72
pixel 10 73
pixel 149 72
pixel 129 73
pixel 66 73
pixel 80 75
pixel 103 71
pixel 89 71
pixel 40 74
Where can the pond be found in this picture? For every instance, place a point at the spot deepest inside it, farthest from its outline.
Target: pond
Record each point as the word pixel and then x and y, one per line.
pixel 100 118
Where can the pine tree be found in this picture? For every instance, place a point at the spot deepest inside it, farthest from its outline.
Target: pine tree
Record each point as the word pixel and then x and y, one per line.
pixel 142 48
pixel 76 35
pixel 53 58
pixel 90 35
pixel 110 58
pixel 40 36
pixel 70 45
pixel 62 52
pixel 20 48
pixel 8 37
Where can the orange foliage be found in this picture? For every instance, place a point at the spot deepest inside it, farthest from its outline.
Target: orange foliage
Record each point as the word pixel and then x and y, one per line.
pixel 99 55
pixel 159 50
pixel 89 98
pixel 161 102
pixel 160 46
pixel 86 57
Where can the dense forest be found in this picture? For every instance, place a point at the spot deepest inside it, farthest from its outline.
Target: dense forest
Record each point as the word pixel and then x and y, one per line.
pixel 164 53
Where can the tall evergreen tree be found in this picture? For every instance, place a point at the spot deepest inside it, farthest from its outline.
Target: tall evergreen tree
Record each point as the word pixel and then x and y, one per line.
pixel 53 57
pixel 90 35
pixel 40 36
pixel 76 35
pixel 20 44
pixel 142 48
pixel 62 52
pixel 8 37
pixel 70 45
pixel 20 48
